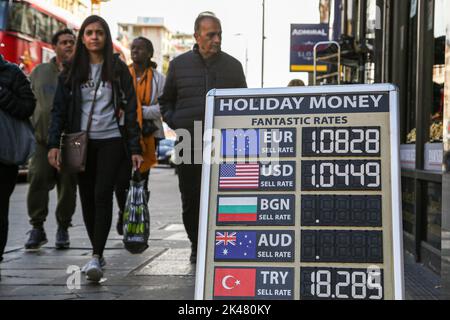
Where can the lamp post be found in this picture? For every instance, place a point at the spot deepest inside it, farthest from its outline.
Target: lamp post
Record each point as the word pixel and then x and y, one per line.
pixel 263 39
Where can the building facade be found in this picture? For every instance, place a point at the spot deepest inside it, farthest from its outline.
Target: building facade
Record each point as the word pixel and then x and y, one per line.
pixel 407 43
pixel 79 8
pixel 151 28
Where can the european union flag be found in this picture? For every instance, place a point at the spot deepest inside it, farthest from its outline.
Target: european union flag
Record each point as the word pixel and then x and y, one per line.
pixel 235 246
pixel 240 143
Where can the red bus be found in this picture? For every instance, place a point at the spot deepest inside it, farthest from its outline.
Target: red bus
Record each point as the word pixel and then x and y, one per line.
pixel 26 29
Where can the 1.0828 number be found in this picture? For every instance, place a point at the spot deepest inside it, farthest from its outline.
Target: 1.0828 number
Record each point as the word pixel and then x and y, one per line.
pixel 352 141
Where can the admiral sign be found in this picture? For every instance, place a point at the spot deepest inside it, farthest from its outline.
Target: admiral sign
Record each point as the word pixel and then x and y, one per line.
pixel 303 39
pixel 302 201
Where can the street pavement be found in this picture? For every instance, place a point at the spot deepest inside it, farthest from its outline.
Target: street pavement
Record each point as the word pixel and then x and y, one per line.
pixel 162 272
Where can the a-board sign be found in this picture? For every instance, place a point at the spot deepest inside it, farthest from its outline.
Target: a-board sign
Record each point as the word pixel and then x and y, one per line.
pixel 301 195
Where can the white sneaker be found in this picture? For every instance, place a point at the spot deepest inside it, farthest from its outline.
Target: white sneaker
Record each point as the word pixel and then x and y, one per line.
pixel 94 270
pixel 102 265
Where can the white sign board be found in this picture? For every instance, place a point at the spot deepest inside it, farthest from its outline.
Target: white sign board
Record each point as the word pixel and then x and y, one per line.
pixel 301 195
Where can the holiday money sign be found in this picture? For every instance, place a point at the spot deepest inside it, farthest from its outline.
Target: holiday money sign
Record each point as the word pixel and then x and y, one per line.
pixel 301 195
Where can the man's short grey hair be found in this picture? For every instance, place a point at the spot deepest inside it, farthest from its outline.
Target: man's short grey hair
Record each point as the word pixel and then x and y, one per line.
pixel 205 15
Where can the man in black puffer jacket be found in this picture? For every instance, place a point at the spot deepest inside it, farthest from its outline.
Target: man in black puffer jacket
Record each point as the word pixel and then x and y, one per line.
pixel 190 77
pixel 17 100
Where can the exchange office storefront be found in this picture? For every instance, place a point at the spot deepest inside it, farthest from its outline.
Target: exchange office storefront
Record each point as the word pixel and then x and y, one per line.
pixel 407 43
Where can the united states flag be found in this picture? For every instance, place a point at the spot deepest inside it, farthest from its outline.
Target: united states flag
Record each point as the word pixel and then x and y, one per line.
pixel 239 176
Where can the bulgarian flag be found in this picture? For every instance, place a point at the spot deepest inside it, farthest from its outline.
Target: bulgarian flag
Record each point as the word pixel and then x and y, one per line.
pixel 238 209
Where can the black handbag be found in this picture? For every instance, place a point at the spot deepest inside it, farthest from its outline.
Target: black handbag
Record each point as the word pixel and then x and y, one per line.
pixel 17 140
pixel 73 147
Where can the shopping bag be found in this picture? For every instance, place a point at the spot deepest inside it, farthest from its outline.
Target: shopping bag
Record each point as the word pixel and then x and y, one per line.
pixel 17 140
pixel 136 217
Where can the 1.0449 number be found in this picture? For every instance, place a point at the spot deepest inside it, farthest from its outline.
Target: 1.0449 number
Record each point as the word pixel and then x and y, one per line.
pixel 341 175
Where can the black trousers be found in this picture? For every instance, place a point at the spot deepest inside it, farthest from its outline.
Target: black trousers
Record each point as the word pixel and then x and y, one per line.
pixel 96 184
pixel 8 176
pixel 123 184
pixel 190 178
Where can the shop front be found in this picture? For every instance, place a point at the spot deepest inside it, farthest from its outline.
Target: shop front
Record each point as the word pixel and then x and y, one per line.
pixel 405 43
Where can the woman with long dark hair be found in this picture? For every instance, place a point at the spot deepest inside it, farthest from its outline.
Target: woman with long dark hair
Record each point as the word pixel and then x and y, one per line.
pixel 97 80
pixel 149 85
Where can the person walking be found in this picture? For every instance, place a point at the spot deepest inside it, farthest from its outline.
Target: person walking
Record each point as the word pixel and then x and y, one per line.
pixel 41 175
pixel 97 80
pixel 17 100
pixel 190 77
pixel 149 85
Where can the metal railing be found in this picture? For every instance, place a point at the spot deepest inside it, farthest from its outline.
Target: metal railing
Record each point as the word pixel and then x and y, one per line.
pixel 327 58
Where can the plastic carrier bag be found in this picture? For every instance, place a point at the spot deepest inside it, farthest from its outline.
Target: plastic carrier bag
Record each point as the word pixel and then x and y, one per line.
pixel 136 217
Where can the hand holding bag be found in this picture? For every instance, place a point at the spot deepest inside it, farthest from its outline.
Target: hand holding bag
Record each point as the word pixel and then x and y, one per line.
pixel 74 145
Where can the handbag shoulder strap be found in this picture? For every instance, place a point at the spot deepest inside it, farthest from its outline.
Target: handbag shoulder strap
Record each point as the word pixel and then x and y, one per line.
pixel 91 113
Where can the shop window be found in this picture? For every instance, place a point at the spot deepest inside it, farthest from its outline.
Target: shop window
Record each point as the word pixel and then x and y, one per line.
pixel 412 71
pixel 373 16
pixel 352 14
pixel 437 107
pixel 324 9
pixel 434 215
pixel 408 205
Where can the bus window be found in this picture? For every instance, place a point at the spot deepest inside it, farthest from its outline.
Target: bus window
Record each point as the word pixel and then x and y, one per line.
pixel 57 26
pixel 20 19
pixel 28 25
pixel 15 17
pixel 3 7
pixel 43 27
pixel 61 25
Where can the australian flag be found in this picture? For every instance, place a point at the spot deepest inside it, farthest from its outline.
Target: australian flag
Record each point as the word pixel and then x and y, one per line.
pixel 235 246
pixel 240 143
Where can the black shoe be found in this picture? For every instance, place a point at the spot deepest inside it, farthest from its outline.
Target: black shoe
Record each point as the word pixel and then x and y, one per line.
pixel 62 239
pixel 36 240
pixel 119 225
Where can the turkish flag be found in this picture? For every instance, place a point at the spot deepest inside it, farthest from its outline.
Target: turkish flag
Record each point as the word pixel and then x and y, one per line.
pixel 234 282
